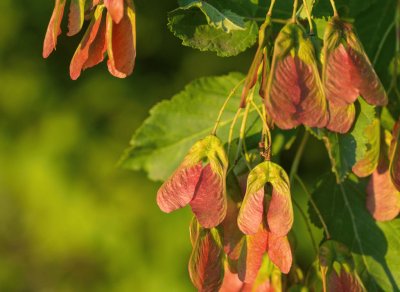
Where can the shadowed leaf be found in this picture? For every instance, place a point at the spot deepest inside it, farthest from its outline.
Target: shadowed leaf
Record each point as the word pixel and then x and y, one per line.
pixel 374 245
pixel 209 27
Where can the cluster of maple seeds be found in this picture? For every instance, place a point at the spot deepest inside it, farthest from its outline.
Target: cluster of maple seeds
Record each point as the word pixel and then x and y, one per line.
pixel 234 232
pixel 240 225
pixel 112 30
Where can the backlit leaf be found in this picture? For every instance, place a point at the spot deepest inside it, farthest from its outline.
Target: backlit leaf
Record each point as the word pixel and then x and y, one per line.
pixel 174 126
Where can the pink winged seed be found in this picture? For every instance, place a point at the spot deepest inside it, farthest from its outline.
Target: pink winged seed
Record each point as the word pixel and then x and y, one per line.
pixel 231 282
pixel 383 199
pixel 209 201
pixel 75 18
pixel 251 212
pixel 395 156
pixel 340 72
pixel 368 83
pixel 344 282
pixel 251 256
pixel 206 263
pixel 232 236
pixel 341 117
pixel 121 46
pixel 54 28
pixel 279 252
pixel 179 189
pixel 91 49
pixel 295 96
pixel 115 8
pixel 280 213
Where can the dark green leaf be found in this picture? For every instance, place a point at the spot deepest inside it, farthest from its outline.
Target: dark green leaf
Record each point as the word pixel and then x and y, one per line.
pixel 217 28
pixel 375 246
pixel 346 150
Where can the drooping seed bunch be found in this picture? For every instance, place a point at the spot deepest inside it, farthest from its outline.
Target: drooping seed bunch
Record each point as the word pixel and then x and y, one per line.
pixel 240 235
pixel 297 92
pixel 112 30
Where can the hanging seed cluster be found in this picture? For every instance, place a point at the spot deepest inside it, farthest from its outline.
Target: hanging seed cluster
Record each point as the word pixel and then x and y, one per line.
pixel 239 232
pixel 112 30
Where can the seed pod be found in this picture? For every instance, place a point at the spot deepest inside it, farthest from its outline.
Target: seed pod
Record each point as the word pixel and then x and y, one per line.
pixel 253 249
pixel 341 118
pixel 278 212
pixel 395 156
pixel 294 92
pixel 347 71
pixel 232 236
pixel 337 268
pixel 383 199
pixel 279 252
pixel 91 49
pixel 121 42
pixel 206 268
pixel 54 28
pixel 200 182
pixel 76 16
pixel 115 9
pixel 260 57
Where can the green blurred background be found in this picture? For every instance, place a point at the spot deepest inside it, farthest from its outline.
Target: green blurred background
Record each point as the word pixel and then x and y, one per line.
pixel 70 220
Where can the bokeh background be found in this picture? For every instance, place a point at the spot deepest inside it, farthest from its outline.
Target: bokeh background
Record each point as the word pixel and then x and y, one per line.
pixel 70 220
